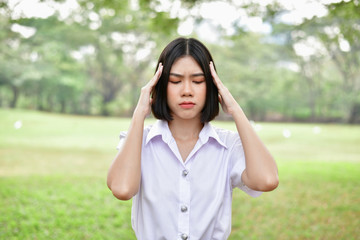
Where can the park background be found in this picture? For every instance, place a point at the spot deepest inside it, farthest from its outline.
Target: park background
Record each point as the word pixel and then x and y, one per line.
pixel 70 74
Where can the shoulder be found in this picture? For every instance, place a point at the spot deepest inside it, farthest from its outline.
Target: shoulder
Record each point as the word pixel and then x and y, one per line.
pixel 228 137
pixel 147 129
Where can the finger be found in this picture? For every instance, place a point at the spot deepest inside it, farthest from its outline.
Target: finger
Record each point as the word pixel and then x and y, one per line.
pixel 156 77
pixel 159 70
pixel 158 73
pixel 212 69
pixel 216 78
pixel 213 72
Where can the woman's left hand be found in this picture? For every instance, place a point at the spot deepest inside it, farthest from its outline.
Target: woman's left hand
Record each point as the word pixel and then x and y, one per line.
pixel 261 172
pixel 227 101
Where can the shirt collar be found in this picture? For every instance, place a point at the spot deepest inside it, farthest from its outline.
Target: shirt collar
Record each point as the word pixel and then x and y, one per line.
pixel 161 128
pixel 209 131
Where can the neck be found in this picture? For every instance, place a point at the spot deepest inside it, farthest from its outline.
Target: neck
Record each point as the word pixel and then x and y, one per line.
pixel 185 129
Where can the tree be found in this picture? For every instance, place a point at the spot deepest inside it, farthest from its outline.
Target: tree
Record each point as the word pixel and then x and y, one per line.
pixel 251 69
pixel 85 59
pixel 11 55
pixel 333 37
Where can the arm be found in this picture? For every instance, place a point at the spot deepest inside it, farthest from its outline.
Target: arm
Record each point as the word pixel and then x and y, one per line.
pixel 261 172
pixel 125 171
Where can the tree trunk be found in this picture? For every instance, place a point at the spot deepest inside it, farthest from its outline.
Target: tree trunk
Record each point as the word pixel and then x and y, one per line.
pixel 62 106
pixel 104 109
pixel 354 114
pixel 15 91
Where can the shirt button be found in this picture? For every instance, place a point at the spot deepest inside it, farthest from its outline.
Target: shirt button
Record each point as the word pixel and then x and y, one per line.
pixel 184 236
pixel 185 173
pixel 183 208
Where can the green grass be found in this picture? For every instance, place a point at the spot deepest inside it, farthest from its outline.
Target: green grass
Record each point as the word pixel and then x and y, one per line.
pixel 53 181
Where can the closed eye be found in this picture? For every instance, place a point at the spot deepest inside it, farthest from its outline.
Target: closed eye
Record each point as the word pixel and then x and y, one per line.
pixel 198 82
pixel 174 82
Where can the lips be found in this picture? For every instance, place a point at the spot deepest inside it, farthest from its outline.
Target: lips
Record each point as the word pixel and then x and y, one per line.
pixel 187 105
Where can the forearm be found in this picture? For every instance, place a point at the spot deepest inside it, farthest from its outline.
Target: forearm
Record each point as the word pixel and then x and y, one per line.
pixel 261 171
pixel 125 172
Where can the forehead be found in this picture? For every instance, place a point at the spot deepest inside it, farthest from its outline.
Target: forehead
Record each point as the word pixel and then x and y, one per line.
pixel 185 64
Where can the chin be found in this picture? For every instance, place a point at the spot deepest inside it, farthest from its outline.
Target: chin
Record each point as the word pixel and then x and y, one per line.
pixel 187 116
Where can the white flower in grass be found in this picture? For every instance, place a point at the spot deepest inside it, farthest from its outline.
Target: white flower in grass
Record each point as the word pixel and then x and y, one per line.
pixel 286 133
pixel 18 124
pixel 316 130
pixel 257 127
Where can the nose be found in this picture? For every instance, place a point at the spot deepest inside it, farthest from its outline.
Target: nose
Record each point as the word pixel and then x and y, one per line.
pixel 187 88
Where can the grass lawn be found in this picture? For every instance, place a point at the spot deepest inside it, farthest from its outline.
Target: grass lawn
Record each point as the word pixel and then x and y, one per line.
pixel 53 181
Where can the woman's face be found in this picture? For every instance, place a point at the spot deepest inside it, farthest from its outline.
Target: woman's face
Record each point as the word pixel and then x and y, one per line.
pixel 186 90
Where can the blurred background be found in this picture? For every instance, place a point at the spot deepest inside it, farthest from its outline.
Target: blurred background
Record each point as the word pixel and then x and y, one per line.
pixel 70 77
pixel 283 60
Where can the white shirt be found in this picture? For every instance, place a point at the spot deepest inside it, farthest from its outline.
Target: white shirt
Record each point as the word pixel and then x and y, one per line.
pixel 188 200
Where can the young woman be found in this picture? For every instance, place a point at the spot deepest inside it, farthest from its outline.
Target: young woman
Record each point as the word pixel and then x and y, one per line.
pixel 181 171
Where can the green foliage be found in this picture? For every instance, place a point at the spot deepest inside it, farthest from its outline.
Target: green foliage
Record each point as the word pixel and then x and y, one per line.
pixel 73 62
pixel 96 59
pixel 338 34
pixel 249 68
pixel 53 181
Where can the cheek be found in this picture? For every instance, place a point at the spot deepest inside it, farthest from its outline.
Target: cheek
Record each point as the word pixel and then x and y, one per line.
pixel 202 92
pixel 170 91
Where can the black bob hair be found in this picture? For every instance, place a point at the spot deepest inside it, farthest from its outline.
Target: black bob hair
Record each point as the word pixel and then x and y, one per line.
pixel 176 49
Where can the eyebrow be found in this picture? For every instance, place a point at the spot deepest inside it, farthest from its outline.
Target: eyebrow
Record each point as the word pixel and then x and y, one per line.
pixel 192 75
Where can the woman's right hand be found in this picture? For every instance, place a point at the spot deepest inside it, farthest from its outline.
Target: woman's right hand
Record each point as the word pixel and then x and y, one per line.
pixel 124 175
pixel 144 104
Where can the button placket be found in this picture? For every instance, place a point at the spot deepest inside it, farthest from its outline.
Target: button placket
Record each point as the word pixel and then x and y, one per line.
pixel 184 203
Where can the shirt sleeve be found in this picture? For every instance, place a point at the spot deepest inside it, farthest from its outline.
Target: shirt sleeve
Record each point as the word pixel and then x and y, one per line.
pixel 237 167
pixel 122 137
